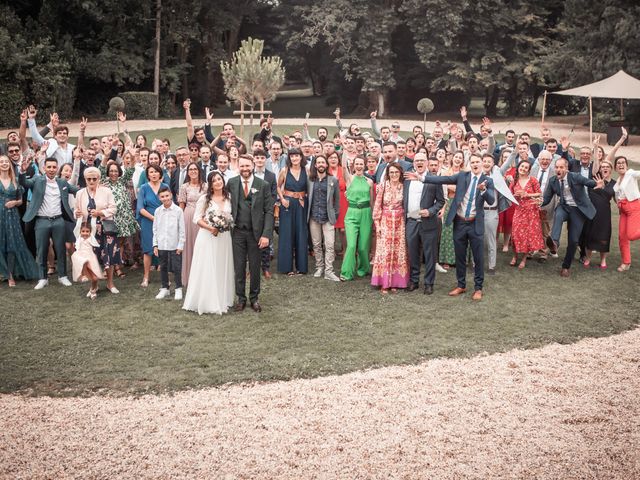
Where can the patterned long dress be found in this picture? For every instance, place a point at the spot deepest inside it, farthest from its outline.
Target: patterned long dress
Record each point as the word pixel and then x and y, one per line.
pixel 391 263
pixel 15 257
pixel 447 252
pixel 189 195
pixel 125 219
pixel 526 232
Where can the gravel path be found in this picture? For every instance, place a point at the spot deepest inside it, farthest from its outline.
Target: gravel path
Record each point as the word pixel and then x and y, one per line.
pixel 556 412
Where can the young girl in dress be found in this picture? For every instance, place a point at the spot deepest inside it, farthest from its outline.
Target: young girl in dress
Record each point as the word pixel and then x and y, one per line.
pixel 84 260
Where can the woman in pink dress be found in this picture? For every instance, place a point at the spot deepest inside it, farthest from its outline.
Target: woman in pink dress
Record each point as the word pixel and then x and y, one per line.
pixel 526 232
pixel 390 264
pixel 505 218
pixel 335 169
pixel 190 191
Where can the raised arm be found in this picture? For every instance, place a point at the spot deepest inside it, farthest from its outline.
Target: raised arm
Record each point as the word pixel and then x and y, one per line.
pixel 33 129
pixel 22 132
pixel 83 128
pixel 612 154
pixel 208 134
pixel 187 115
pixel 122 118
pixel 374 124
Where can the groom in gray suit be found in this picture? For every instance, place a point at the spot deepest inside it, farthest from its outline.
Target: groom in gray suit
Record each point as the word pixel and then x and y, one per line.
pixel 252 210
pixel 50 207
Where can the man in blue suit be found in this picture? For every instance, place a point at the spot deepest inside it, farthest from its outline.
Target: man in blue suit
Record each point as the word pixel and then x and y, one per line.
pixel 421 206
pixel 473 190
pixel 574 207
pixel 50 207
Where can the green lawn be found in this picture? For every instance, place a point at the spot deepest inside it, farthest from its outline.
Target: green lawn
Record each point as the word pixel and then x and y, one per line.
pixel 57 342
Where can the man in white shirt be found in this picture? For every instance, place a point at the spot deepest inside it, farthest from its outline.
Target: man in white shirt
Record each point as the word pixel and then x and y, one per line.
pixel 49 206
pixel 223 168
pixel 58 148
pixel 543 170
pixel 422 202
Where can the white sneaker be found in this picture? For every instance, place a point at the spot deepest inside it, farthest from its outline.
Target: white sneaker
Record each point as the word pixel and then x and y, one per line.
pixel 318 273
pixel 178 294
pixel 163 293
pixel 41 284
pixel 441 269
pixel 64 281
pixel 553 255
pixel 113 290
pixel 331 276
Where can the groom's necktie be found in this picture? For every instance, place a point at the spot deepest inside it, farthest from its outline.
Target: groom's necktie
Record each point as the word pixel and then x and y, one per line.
pixel 246 188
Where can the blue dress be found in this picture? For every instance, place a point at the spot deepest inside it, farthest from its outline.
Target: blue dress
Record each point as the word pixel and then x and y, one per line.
pixel 15 256
pixel 293 233
pixel 147 199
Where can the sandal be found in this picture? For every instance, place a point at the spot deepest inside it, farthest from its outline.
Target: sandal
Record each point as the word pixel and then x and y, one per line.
pixel 523 263
pixel 12 283
pixel 624 267
pixel 291 274
pixel 119 273
pixel 513 262
pixel 93 294
pixel 384 291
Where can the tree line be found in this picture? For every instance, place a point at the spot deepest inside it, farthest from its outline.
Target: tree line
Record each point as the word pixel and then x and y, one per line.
pixel 73 56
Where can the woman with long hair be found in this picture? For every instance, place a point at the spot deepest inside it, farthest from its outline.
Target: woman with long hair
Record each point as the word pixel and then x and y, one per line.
pixel 211 287
pixel 16 260
pixel 505 219
pixel 335 169
pixel 188 196
pixel 390 263
pixel 293 234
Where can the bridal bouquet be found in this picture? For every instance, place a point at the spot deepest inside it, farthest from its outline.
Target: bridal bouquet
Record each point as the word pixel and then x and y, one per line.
pixel 223 221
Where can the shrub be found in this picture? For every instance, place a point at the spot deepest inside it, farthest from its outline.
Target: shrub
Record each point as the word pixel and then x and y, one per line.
pixel 140 105
pixel 12 104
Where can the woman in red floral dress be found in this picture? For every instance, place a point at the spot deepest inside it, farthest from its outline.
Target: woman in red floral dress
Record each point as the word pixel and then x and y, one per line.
pixel 526 232
pixel 390 263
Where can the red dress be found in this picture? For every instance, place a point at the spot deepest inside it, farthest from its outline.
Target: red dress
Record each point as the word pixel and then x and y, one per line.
pixel 505 218
pixel 344 204
pixel 526 233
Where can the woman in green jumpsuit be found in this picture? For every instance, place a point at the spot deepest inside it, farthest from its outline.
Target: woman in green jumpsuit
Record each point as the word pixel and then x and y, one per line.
pixel 357 222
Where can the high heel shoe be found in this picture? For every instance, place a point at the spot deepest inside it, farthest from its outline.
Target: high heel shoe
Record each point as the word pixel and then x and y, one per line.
pixel 624 267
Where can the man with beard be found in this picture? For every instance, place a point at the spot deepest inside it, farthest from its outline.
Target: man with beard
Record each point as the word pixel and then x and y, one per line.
pixel 323 192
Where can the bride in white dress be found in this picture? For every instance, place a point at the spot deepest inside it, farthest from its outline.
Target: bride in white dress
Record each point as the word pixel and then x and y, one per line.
pixel 211 286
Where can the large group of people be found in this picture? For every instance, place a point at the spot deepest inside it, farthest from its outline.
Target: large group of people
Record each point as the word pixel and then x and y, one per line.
pixel 388 207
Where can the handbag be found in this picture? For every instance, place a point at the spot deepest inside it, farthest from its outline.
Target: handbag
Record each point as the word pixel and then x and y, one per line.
pixel 109 226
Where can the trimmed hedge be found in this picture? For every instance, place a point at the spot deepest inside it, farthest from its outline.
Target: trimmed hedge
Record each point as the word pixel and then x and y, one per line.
pixel 139 105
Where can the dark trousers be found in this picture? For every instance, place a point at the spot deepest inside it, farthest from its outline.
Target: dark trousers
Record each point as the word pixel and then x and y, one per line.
pixel 421 243
pixel 575 223
pixel 55 229
pixel 245 246
pixel 464 234
pixel 170 261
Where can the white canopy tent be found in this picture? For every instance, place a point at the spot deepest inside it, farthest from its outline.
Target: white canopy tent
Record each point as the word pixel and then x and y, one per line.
pixel 621 85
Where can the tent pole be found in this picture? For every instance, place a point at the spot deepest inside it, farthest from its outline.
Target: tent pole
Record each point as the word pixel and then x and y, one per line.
pixel 590 121
pixel 622 108
pixel 544 107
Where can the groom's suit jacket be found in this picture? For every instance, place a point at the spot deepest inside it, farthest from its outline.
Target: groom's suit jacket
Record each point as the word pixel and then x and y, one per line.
pixel 261 205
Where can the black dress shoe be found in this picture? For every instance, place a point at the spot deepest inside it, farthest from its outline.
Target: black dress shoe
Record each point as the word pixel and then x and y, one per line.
pixel 428 289
pixel 256 307
pixel 412 287
pixel 240 306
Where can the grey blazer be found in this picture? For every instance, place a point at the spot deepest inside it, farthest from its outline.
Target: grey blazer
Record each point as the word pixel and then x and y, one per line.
pixel 333 198
pixel 38 185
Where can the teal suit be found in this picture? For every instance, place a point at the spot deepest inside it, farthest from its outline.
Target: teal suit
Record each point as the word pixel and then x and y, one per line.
pixel 49 228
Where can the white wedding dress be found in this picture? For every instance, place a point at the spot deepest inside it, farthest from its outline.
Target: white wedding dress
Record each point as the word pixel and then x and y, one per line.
pixel 211 287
